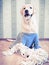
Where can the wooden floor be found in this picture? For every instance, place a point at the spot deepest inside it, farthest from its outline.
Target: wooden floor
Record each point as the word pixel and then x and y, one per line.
pixel 15 59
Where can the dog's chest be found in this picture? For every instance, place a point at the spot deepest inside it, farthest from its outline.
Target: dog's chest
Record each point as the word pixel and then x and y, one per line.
pixel 30 27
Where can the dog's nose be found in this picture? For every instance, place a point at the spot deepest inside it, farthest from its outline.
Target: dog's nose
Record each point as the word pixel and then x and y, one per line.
pixel 26 11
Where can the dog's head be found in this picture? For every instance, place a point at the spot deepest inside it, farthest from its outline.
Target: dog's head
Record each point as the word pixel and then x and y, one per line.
pixel 27 11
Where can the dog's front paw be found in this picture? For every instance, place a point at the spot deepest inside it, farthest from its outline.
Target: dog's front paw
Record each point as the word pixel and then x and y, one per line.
pixel 7 53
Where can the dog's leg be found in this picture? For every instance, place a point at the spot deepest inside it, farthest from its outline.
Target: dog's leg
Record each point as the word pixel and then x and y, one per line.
pixel 18 40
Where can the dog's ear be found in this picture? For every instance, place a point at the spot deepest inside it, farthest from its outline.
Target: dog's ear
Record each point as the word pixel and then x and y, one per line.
pixel 34 10
pixel 21 11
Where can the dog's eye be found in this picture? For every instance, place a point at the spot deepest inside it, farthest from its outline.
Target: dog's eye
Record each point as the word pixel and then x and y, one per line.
pixel 30 7
pixel 23 8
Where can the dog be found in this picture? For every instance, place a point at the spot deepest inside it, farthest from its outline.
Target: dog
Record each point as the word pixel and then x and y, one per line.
pixel 28 35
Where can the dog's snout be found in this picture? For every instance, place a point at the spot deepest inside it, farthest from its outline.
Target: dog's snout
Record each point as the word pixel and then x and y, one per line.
pixel 26 11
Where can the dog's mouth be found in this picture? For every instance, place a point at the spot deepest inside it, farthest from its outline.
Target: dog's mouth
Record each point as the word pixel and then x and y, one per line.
pixel 26 15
